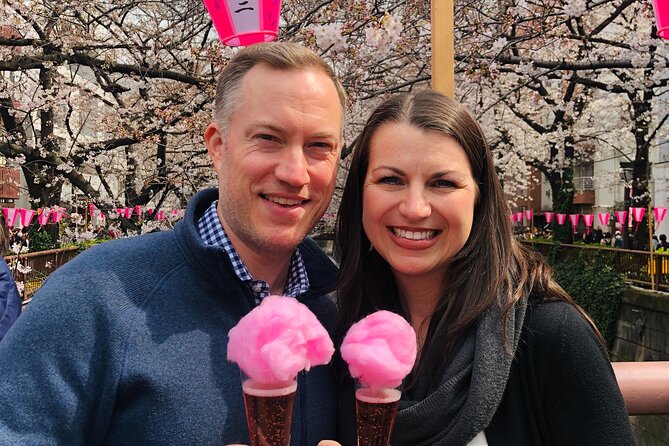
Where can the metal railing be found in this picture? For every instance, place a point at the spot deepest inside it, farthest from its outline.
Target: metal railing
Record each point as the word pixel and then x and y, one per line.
pixel 41 263
pixel 635 265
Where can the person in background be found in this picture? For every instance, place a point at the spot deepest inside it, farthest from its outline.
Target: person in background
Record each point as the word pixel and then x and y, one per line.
pixel 656 242
pixel 617 241
pixel 663 243
pixel 10 299
pixel 606 239
pixel 126 344
pixel 505 355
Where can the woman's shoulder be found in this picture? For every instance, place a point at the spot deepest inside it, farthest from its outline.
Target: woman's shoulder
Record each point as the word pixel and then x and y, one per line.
pixel 558 329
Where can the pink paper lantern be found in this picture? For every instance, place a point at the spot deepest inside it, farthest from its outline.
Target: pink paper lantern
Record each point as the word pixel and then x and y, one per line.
pixel 574 221
pixel 128 212
pixel 588 219
pixel 604 218
pixel 10 216
pixel 43 216
pixel 138 210
pixel 549 216
pixel 519 217
pixel 659 214
pixel 528 214
pixel 26 216
pixel 57 214
pixel 621 216
pixel 638 214
pixel 661 8
pixel 561 218
pixel 241 23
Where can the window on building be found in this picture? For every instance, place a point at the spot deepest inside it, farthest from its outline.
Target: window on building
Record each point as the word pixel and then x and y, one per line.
pixel 583 174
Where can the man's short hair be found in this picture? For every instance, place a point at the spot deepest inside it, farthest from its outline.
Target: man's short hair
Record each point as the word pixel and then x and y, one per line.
pixel 280 55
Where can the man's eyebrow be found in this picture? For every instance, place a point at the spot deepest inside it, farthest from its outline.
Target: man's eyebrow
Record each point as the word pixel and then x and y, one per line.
pixel 270 126
pixel 279 129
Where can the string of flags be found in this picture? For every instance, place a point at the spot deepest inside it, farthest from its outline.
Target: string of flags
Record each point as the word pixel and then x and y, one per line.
pixel 56 213
pixel 637 214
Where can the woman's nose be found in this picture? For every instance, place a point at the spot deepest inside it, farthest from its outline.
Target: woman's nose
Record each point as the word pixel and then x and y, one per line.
pixel 415 206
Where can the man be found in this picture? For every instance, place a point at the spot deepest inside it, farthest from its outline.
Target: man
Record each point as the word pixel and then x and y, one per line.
pixel 126 344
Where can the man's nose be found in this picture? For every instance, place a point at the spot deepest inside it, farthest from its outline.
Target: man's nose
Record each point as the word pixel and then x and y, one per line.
pixel 415 205
pixel 292 167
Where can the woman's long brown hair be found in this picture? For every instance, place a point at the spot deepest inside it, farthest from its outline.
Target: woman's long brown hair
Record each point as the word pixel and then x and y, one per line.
pixel 492 267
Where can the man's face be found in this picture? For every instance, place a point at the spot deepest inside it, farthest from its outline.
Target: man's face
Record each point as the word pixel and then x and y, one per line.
pixel 277 164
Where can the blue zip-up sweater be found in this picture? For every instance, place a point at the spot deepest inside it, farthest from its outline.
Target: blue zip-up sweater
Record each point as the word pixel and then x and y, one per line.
pixel 126 345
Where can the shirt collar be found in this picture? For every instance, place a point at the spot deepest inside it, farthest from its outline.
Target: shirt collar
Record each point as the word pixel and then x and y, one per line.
pixel 212 233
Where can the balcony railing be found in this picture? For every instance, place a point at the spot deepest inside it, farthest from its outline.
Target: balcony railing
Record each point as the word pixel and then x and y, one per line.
pixel 582 184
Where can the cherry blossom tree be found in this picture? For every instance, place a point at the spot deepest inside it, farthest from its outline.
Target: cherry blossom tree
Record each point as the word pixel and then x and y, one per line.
pixel 536 71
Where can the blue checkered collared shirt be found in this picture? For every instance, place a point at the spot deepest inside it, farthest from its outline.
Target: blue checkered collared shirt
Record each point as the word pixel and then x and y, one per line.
pixel 212 233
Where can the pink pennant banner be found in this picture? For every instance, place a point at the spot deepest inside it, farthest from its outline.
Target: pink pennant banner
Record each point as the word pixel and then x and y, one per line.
pixel 43 216
pixel 561 218
pixel 10 216
pixel 588 219
pixel 528 214
pixel 548 216
pixel 621 216
pixel 57 214
pixel 519 217
pixel 637 214
pixel 160 215
pixel 138 210
pixel 26 216
pixel 604 218
pixel 120 211
pixel 574 221
pixel 660 213
pixel 91 209
pixel 149 211
pixel 128 212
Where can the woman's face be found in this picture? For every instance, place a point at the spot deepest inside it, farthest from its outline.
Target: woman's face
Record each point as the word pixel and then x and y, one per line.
pixel 418 198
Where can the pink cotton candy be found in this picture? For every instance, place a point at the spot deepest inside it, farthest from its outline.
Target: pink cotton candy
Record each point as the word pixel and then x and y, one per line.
pixel 380 349
pixel 277 339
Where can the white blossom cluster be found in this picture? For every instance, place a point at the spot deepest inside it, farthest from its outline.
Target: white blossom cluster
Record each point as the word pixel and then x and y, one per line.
pixel 329 36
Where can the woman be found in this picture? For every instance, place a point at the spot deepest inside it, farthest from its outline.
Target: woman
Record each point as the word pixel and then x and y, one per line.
pixel 505 355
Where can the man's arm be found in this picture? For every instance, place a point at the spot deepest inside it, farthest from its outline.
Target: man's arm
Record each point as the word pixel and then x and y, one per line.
pixel 58 379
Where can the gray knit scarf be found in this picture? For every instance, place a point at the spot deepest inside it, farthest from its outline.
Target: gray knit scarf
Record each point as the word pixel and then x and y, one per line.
pixel 464 402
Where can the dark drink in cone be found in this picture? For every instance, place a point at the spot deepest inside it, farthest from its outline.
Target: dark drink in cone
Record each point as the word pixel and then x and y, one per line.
pixel 269 412
pixel 375 415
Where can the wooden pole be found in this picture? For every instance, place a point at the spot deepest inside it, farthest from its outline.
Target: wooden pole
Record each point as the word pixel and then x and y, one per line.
pixel 443 51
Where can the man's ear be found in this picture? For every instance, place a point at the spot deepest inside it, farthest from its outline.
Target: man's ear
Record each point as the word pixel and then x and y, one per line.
pixel 213 140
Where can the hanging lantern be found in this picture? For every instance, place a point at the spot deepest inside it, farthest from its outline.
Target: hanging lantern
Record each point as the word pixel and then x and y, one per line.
pixel 661 8
pixel 242 23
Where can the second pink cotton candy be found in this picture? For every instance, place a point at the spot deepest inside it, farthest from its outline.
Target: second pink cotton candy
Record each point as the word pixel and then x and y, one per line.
pixel 278 339
pixel 380 350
